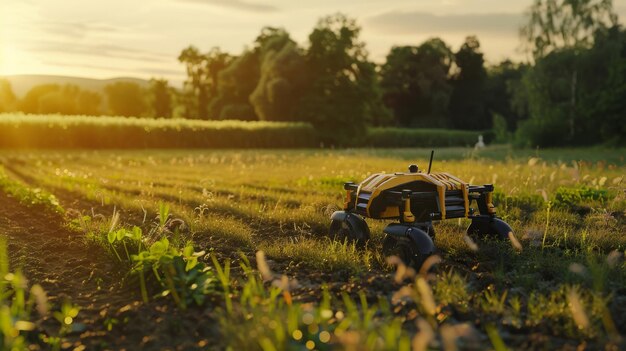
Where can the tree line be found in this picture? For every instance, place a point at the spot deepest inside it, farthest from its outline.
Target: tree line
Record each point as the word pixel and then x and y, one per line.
pixel 332 84
pixel 118 99
pixel 572 90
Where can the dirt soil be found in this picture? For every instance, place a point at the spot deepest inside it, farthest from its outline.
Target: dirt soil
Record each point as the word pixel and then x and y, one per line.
pixel 67 267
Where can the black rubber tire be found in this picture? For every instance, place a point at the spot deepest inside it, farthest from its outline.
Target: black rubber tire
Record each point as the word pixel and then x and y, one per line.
pixel 405 249
pixel 430 230
pixel 484 229
pixel 478 229
pixel 344 230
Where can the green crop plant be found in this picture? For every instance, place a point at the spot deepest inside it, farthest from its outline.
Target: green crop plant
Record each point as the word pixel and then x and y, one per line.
pixel 28 196
pixel 172 265
pixel 19 306
pixel 570 197
pixel 178 272
pixel 56 131
pixel 451 290
pixel 65 316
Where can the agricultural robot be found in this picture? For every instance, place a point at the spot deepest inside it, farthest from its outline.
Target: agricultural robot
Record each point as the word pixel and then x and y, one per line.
pixel 415 199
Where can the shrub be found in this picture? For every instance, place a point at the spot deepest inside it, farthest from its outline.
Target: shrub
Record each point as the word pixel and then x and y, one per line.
pixel 404 137
pixel 570 197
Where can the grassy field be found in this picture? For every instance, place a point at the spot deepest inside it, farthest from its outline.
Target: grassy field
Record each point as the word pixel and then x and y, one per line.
pixel 228 249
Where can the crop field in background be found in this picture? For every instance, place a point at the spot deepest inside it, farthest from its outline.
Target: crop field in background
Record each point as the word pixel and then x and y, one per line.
pixel 19 130
pixel 215 249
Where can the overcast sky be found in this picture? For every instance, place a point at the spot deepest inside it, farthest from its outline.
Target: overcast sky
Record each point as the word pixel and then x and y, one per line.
pixel 142 38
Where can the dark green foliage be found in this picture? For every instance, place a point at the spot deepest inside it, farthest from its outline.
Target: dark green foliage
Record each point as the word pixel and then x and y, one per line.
pixel 407 137
pixel 234 85
pixel 7 97
pixel 30 102
pixel 468 101
pixel 343 94
pixel 126 99
pixel 576 97
pixel 506 94
pixel 527 202
pixel 556 24
pixel 604 99
pixel 67 99
pixel 576 88
pixel 568 198
pixel 552 117
pixel 160 98
pixel 243 112
pixel 283 79
pixel 192 284
pixel 202 79
pixel 177 271
pixel 415 83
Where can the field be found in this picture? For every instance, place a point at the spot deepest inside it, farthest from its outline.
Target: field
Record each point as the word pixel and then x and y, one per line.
pixel 23 131
pixel 228 249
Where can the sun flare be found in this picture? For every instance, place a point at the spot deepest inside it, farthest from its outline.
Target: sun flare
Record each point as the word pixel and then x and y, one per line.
pixel 13 60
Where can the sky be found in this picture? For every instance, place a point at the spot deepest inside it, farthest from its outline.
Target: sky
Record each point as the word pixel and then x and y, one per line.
pixel 142 38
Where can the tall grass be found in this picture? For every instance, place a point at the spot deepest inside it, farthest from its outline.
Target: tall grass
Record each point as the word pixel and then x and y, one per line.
pixel 73 132
pixel 67 132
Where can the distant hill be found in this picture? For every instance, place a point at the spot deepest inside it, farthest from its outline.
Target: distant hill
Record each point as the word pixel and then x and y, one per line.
pixel 22 83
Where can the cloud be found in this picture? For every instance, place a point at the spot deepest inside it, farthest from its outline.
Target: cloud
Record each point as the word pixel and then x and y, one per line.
pixel 398 22
pixel 236 5
pixel 82 65
pixel 154 71
pixel 76 30
pixel 180 73
pixel 99 50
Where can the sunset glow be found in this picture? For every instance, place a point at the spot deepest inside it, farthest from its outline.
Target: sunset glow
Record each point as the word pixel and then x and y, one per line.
pixel 143 38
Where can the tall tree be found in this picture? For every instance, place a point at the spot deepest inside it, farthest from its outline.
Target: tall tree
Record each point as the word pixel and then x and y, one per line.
pixel 66 99
pixel 63 100
pixel 467 103
pixel 89 103
pixel 282 82
pixel 559 33
pixel 343 94
pixel 234 86
pixel 555 24
pixel 202 78
pixel 30 102
pixel 238 81
pixel 126 99
pixel 195 94
pixel 415 83
pixel 160 98
pixel 506 95
pixel 603 102
pixel 7 97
